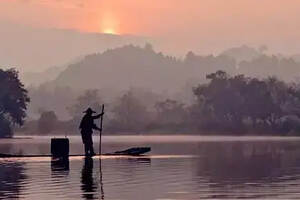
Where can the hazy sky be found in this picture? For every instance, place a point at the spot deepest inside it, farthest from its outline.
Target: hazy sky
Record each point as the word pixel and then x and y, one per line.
pixel 200 25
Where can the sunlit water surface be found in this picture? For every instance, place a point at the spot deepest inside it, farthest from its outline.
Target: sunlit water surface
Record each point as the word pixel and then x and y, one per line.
pixel 192 167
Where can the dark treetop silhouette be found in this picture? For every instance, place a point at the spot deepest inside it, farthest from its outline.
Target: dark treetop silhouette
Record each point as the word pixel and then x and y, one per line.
pixel 87 125
pixel 13 101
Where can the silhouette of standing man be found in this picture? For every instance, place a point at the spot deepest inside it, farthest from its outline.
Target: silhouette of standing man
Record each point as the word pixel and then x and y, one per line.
pixel 87 125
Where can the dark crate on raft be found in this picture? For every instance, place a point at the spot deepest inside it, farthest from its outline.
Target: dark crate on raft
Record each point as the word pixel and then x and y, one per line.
pixel 60 147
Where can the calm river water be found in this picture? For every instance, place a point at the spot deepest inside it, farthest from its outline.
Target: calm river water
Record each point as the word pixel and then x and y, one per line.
pixel 178 167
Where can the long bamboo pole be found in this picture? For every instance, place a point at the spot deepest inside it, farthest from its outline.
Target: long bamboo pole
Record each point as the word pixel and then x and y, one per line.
pixel 100 153
pixel 100 136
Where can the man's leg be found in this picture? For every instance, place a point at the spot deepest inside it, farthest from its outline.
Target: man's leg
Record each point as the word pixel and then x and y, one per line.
pixel 92 149
pixel 85 142
pixel 86 149
pixel 90 145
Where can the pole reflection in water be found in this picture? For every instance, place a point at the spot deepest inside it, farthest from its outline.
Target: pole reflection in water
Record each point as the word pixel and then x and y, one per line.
pixel 101 180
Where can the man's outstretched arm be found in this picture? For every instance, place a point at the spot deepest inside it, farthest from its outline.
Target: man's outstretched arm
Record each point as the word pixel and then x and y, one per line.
pixel 98 116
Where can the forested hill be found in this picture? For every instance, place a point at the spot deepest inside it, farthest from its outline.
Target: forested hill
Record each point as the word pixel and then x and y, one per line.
pixel 132 66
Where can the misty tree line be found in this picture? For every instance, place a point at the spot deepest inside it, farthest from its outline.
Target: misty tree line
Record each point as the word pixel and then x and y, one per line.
pixel 234 105
pixel 245 104
pixel 226 104
pixel 160 72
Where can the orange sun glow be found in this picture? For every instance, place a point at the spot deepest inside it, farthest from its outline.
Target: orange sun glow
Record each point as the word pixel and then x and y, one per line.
pixel 109 31
pixel 109 24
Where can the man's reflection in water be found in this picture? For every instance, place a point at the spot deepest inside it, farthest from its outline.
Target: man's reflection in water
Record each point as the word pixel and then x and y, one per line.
pixel 88 185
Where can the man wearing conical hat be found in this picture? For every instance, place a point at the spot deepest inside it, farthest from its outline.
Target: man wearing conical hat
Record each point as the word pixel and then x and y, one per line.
pixel 87 126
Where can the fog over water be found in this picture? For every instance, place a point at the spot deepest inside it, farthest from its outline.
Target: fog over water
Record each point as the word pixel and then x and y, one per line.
pixel 179 167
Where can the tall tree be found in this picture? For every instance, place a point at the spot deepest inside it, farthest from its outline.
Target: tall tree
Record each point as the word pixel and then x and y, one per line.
pixel 13 101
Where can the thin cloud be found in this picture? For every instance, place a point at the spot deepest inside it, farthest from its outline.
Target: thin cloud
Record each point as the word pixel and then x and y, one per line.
pixel 64 3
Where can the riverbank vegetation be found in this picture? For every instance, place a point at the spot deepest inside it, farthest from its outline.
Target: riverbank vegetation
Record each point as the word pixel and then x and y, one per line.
pixel 241 91
pixel 227 105
pixel 13 101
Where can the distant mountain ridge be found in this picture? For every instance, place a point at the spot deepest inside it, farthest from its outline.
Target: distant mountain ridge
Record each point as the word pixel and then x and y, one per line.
pixel 133 66
pixel 36 49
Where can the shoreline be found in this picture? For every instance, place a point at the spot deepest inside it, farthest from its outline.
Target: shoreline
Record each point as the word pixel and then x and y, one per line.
pixel 221 134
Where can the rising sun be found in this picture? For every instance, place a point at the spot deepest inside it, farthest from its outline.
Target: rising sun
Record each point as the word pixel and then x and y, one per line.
pixel 109 24
pixel 109 31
